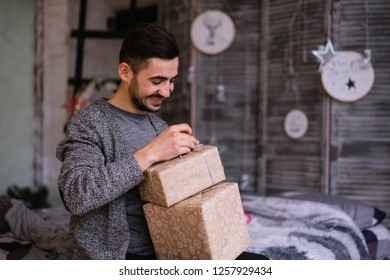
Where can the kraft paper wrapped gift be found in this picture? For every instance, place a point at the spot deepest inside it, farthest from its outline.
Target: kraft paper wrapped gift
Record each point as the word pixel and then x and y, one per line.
pixel 171 181
pixel 208 225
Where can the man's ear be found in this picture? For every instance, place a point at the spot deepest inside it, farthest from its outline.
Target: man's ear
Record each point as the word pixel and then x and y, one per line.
pixel 125 72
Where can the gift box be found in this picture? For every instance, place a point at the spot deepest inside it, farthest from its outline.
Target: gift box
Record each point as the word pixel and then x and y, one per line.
pixel 171 181
pixel 208 225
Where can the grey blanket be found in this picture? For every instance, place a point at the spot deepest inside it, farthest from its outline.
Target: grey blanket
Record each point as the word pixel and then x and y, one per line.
pixel 46 229
pixel 287 229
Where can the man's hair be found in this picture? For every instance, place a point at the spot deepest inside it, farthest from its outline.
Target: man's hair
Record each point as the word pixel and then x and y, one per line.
pixel 144 41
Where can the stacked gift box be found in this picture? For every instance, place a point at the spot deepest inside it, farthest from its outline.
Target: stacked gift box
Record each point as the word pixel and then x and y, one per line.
pixel 192 213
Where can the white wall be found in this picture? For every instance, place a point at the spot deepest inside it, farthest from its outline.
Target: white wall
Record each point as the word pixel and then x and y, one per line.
pixel 55 57
pixel 18 119
pixel 16 91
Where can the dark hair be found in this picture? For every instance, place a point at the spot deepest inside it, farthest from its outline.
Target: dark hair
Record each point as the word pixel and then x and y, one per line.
pixel 144 41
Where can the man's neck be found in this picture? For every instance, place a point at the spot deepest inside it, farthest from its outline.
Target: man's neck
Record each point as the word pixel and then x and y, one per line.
pixel 122 101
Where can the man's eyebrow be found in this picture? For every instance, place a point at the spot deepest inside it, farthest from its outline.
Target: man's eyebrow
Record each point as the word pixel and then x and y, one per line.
pixel 161 78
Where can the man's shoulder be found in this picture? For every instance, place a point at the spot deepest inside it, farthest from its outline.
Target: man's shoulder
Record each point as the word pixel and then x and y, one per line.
pixel 94 111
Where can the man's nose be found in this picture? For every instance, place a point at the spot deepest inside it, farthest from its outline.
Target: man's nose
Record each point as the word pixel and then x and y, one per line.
pixel 166 90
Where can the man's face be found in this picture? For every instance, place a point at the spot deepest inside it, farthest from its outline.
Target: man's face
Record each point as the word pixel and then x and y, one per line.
pixel 152 85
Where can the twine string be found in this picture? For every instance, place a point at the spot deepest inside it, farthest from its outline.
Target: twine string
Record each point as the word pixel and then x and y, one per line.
pixel 196 150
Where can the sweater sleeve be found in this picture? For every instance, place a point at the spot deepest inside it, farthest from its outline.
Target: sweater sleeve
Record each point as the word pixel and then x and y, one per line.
pixel 93 171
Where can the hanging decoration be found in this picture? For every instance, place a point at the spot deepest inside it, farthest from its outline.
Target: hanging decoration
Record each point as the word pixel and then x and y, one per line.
pixel 347 76
pixel 324 54
pixel 295 122
pixel 212 32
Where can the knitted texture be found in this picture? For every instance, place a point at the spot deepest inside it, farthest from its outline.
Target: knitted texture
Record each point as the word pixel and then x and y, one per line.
pixel 95 175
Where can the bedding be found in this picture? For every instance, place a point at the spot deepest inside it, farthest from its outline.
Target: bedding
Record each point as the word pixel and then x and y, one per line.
pixel 362 214
pixel 280 228
pixel 378 242
pixel 36 235
pixel 288 229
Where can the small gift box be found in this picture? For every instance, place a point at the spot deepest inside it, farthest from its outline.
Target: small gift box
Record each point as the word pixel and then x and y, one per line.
pixel 208 225
pixel 171 181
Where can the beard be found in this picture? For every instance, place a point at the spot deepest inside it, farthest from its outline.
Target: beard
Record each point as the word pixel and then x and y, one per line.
pixel 141 102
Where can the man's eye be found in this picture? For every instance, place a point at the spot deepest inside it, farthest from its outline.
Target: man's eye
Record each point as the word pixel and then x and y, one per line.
pixel 157 82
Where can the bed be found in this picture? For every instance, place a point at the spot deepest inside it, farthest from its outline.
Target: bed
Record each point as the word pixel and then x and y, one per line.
pixel 304 226
pixel 295 226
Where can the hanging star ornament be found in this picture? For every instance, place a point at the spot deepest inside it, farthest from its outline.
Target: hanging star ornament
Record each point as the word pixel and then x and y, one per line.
pixel 324 54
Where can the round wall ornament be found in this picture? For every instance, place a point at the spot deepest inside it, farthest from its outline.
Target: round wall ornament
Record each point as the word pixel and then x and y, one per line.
pixel 348 76
pixel 212 32
pixel 296 124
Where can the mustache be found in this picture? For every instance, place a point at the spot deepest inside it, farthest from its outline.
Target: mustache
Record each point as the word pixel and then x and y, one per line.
pixel 156 95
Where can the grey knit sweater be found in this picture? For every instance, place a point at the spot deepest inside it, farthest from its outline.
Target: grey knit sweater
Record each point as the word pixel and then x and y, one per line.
pixel 95 174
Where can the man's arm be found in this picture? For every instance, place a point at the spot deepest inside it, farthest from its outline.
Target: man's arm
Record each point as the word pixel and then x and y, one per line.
pixel 88 179
pixel 172 142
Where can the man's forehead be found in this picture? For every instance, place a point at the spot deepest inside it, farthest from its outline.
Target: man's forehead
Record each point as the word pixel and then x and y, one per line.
pixel 162 68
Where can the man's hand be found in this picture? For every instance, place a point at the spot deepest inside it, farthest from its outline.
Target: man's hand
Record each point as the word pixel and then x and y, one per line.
pixel 172 142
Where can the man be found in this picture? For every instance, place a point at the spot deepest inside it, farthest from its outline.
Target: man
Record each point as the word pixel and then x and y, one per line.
pixel 109 144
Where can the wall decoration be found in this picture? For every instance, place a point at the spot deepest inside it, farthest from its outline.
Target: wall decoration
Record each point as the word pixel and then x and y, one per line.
pixel 347 76
pixel 324 54
pixel 296 124
pixel 212 32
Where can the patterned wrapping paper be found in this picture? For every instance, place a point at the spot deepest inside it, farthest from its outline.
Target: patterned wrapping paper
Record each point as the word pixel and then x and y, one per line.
pixel 169 182
pixel 208 225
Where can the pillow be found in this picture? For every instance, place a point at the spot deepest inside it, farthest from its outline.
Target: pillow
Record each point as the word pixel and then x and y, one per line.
pixel 378 242
pixel 364 215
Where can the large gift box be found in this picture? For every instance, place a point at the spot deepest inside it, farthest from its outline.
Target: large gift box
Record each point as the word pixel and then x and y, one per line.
pixel 208 225
pixel 171 181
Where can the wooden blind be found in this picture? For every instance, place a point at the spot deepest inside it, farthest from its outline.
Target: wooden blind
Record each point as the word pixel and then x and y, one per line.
pixel 293 29
pixel 361 130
